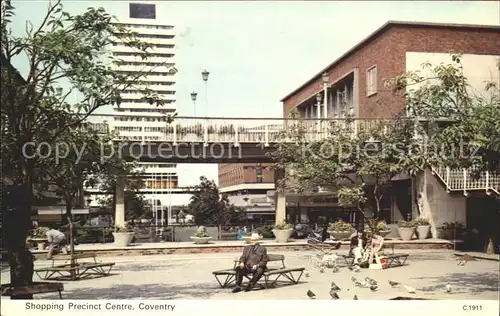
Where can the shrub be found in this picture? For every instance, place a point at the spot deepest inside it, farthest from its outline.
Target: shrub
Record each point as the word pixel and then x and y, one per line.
pixel 127 229
pixel 421 221
pixel 201 232
pixel 340 226
pixel 382 226
pixel 452 225
pixel 39 232
pixel 282 226
pixel 407 224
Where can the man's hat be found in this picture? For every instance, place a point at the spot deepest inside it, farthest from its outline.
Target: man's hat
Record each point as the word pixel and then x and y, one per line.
pixel 254 238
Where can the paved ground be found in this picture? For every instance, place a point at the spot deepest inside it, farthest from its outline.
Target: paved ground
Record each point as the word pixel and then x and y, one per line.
pixel 189 277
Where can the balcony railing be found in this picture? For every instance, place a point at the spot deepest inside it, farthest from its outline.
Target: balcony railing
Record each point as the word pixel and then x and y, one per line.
pixel 462 180
pixel 224 130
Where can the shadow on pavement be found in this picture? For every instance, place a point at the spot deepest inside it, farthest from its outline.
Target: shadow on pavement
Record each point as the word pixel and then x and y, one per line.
pixel 463 282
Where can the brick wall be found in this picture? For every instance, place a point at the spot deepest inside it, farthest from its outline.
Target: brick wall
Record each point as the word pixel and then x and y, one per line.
pixel 388 52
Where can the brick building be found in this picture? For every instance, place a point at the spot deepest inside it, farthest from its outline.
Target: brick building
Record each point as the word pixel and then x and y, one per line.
pixel 354 85
pixel 247 185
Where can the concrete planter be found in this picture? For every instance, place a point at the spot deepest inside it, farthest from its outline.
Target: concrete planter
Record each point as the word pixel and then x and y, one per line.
pixel 201 240
pixel 423 231
pixel 41 245
pixel 339 235
pixel 123 239
pixel 406 233
pixel 282 235
pixel 384 233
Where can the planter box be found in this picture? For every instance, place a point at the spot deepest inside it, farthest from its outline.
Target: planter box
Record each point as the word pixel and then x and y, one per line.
pixel 282 235
pixel 423 231
pixel 201 240
pixel 406 233
pixel 384 233
pixel 339 235
pixel 449 233
pixel 123 239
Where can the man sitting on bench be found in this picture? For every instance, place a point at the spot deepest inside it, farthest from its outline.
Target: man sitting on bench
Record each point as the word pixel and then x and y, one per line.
pixel 254 261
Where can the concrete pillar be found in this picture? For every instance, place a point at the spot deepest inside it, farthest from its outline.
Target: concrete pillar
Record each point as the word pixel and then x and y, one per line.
pixel 280 200
pixel 120 202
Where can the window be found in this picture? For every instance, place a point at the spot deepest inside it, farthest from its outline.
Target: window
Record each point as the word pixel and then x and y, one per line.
pixel 142 11
pixel 371 81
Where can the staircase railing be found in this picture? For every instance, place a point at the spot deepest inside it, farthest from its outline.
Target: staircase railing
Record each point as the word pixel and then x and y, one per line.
pixel 462 180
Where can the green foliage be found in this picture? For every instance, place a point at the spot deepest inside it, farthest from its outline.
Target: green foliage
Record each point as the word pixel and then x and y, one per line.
pixel 382 226
pixel 127 229
pixel 457 120
pixel 340 226
pixel 201 232
pixel 407 224
pixel 282 226
pixel 421 221
pixel 210 207
pixel 452 225
pixel 265 231
pixel 39 232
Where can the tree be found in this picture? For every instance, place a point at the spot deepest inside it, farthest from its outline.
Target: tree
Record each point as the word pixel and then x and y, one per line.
pixel 465 126
pixel 64 49
pixel 357 164
pixel 209 206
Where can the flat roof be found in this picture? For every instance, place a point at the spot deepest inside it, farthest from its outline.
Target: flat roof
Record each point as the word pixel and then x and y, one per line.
pixel 384 28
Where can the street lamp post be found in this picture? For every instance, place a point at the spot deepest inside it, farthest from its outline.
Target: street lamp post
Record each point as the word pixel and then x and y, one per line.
pixel 325 91
pixel 204 76
pixel 318 113
pixel 193 98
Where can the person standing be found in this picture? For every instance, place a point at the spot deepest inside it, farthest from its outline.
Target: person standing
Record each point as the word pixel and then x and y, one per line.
pixel 56 239
pixel 253 261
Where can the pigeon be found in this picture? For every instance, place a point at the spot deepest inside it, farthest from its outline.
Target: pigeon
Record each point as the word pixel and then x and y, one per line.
pixel 373 288
pixel 355 297
pixel 371 281
pixel 356 269
pixel 334 295
pixel 353 279
pixel 334 287
pixel 322 270
pixel 393 283
pixel 359 284
pixel 336 269
pixel 306 273
pixel 462 260
pixel 448 288
pixel 311 294
pixel 410 290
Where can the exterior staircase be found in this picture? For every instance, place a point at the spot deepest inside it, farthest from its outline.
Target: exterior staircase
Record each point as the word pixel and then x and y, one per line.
pixel 461 180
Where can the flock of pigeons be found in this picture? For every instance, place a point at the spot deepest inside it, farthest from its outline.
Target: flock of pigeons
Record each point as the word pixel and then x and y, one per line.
pixel 366 283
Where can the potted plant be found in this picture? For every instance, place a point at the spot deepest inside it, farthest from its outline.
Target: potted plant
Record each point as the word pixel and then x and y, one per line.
pixel 201 236
pixel 406 229
pixel 451 230
pixel 383 229
pixel 340 230
pixel 282 232
pixel 123 235
pixel 423 228
pixel 39 236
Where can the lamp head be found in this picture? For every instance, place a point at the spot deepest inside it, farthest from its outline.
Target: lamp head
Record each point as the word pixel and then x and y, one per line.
pixel 318 98
pixel 204 75
pixel 324 76
pixel 193 96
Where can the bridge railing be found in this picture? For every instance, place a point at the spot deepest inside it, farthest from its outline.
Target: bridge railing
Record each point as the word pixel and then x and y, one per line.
pixel 216 129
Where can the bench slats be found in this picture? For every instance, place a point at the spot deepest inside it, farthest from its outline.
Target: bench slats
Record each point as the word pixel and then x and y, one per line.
pixel 287 270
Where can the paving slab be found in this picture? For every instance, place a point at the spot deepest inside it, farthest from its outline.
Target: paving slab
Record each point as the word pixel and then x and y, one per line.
pixel 189 277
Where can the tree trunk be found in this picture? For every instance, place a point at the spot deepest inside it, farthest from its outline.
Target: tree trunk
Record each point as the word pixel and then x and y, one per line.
pixel 71 227
pixel 17 226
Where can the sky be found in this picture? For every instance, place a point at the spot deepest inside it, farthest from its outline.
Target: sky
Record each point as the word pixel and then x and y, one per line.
pixel 259 51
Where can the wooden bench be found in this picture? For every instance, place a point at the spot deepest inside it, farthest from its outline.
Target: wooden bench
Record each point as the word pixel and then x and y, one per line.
pixel 271 274
pixel 76 270
pixel 35 288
